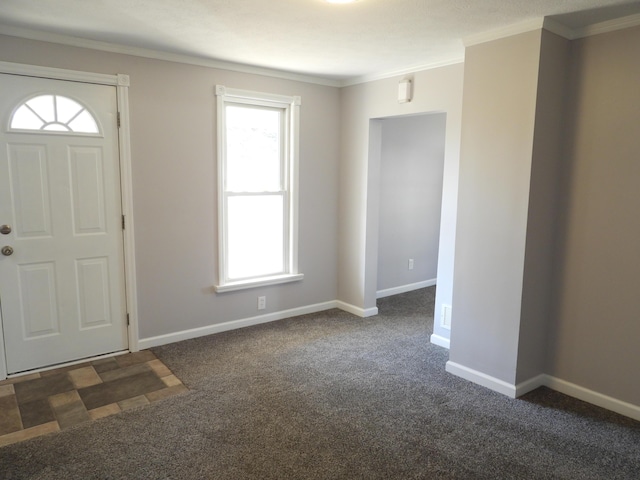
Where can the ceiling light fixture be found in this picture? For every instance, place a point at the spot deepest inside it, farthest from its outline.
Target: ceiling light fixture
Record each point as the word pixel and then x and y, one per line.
pixel 341 1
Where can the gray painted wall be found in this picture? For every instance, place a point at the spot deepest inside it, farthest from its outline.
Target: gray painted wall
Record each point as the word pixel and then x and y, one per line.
pixel 594 341
pixel 500 89
pixel 411 169
pixel 435 91
pixel 593 332
pixel 544 198
pixel 174 184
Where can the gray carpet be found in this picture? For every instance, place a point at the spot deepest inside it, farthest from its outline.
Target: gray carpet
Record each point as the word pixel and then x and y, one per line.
pixel 333 396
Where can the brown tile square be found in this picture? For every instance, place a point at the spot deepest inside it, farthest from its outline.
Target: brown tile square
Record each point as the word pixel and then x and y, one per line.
pixel 22 378
pixel 159 367
pixel 6 390
pixel 138 401
pixel 42 387
pixel 69 409
pixel 134 369
pixel 84 377
pixel 135 357
pixel 36 413
pixel 28 433
pixel 166 392
pixel 105 364
pixel 120 389
pixel 105 411
pixel 10 419
pixel 68 368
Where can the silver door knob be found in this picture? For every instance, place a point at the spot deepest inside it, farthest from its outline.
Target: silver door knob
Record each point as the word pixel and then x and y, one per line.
pixel 7 250
pixel 5 229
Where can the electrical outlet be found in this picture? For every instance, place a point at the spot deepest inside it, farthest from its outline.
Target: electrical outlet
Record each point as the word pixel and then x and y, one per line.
pixel 262 303
pixel 411 264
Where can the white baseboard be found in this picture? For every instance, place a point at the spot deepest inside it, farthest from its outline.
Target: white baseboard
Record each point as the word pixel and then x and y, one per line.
pixel 571 389
pixel 360 312
pixel 623 408
pixel 405 288
pixel 482 379
pixel 150 342
pixel 531 384
pixel 440 341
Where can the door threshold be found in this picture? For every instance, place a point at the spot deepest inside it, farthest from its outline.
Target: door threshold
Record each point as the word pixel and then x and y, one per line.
pixel 67 364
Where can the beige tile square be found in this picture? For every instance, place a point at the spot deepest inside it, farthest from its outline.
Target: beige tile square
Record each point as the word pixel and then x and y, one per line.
pixel 105 411
pixel 166 392
pixel 6 390
pixel 138 401
pixel 171 381
pixel 63 399
pixel 84 377
pixel 29 433
pixel 159 368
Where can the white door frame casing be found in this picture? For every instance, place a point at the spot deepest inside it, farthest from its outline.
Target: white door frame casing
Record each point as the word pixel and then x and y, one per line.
pixel 121 82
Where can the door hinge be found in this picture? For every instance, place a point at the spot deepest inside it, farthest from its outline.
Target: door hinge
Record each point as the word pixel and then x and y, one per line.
pixel 128 320
pixel 118 119
pixel 123 222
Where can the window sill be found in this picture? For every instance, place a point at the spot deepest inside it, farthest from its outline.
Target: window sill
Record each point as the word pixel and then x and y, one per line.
pixel 262 282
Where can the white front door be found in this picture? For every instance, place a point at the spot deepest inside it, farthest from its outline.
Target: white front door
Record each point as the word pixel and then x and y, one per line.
pixel 62 294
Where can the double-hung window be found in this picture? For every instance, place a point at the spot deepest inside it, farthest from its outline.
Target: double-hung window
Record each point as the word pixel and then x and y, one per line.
pixel 257 188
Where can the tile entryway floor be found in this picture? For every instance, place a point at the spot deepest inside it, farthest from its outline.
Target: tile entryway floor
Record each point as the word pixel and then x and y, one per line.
pixel 50 401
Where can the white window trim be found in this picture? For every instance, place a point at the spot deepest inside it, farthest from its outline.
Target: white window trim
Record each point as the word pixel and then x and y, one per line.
pixel 292 106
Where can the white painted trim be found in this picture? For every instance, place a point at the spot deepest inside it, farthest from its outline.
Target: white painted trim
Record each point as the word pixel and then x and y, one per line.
pixel 558 28
pixel 243 285
pixel 57 73
pixel 440 341
pixel 68 364
pixel 126 188
pixel 530 385
pixel 543 380
pixel 159 55
pixel 360 312
pixel 3 358
pixel 405 288
pixel 121 82
pixel 482 379
pixel 151 342
pixel 608 26
pixel 503 32
pixel 403 71
pixel 623 408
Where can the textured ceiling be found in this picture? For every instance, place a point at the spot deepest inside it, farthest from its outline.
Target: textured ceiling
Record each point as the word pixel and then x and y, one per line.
pixel 308 37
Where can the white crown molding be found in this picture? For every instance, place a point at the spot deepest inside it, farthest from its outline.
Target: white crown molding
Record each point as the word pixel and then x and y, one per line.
pixel 554 27
pixel 608 26
pixel 503 32
pixel 159 55
pixel 405 71
pixel 558 28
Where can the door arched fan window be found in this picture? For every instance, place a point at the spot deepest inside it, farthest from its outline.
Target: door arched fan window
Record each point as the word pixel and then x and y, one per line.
pixel 53 114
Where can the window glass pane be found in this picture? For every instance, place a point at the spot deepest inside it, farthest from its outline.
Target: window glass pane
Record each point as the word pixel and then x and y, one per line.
pixel 26 119
pixel 66 109
pixel 56 127
pixel 253 149
pixel 43 106
pixel 84 123
pixel 254 236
